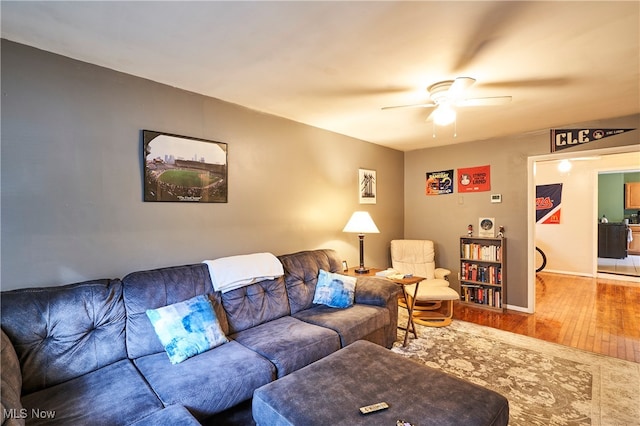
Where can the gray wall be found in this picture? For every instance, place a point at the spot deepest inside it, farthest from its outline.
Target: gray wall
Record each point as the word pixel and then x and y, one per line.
pixel 444 218
pixel 71 181
pixel 71 175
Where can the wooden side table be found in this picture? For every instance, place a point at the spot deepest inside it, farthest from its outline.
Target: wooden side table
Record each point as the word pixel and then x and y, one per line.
pixel 404 282
pixel 352 272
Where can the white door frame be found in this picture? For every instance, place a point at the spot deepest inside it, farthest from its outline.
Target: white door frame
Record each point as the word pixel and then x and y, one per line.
pixel 531 211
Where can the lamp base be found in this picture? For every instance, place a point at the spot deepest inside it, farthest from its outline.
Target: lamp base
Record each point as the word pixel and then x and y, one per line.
pixel 361 270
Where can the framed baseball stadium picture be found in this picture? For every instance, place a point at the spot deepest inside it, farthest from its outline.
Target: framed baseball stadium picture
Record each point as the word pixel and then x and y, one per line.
pixel 184 169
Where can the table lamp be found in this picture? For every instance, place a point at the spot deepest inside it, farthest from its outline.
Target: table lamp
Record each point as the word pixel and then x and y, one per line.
pixel 361 223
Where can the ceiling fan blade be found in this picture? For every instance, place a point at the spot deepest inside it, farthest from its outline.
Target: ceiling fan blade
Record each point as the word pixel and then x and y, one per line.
pixel 488 31
pixel 532 83
pixel 459 85
pixel 495 100
pixel 423 105
pixel 357 91
pixel 430 117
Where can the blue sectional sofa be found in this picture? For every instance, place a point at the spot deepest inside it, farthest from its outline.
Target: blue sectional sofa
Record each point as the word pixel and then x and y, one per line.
pixel 87 354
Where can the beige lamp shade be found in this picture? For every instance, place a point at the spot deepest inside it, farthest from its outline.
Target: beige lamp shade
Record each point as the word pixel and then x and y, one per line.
pixel 361 223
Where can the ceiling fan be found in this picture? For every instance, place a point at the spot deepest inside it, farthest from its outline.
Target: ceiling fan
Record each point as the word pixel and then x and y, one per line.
pixel 446 96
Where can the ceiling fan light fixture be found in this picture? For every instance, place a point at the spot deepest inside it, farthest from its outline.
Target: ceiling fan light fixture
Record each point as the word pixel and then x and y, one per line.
pixel 444 115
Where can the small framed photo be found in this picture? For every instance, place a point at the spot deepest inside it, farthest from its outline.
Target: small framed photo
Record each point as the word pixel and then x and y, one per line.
pixel 345 267
pixel 367 193
pixel 486 227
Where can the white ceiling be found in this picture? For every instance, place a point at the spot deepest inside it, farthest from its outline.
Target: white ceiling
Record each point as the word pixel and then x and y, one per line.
pixel 333 65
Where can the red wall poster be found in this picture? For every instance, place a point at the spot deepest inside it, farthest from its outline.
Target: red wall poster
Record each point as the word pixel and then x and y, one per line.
pixel 474 179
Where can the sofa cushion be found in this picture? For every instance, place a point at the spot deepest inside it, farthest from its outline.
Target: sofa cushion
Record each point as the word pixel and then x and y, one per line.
pixel 288 343
pixel 161 287
pixel 60 333
pixel 351 324
pixel 301 274
pixel 113 395
pixel 255 304
pixel 334 290
pixel 187 328
pixel 209 382
pixel 384 293
pixel 173 415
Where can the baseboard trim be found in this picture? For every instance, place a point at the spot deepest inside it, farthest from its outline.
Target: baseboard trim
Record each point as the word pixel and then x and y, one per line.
pixel 520 309
pixel 617 277
pixel 579 274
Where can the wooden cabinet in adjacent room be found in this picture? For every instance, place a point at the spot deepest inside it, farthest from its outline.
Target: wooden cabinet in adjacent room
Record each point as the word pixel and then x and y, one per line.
pixel 634 244
pixel 612 240
pixel 632 195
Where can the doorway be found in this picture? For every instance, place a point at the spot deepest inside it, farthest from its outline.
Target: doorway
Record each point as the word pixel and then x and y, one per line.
pixel 571 247
pixel 611 206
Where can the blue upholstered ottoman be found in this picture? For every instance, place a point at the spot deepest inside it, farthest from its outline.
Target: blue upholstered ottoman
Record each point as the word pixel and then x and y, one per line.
pixel 331 391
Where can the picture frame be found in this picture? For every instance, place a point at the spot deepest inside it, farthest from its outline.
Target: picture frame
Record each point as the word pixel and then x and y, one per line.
pixel 345 267
pixel 184 169
pixel 487 227
pixel 474 179
pixel 367 186
pixel 439 182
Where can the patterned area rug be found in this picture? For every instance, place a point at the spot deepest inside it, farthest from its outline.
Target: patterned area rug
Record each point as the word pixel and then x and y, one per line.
pixel 545 383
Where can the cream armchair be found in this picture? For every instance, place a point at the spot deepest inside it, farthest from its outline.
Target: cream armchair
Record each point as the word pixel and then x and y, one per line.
pixel 417 257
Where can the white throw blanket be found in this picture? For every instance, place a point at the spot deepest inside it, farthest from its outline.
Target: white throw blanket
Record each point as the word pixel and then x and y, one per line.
pixel 229 273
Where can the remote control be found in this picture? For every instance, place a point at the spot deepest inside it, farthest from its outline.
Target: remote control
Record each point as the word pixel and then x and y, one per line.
pixel 374 407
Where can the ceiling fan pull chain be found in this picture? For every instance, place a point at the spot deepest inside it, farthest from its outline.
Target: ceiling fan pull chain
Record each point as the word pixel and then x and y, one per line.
pixel 434 129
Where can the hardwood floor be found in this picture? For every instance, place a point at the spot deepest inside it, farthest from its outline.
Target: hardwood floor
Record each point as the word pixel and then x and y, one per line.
pixel 593 314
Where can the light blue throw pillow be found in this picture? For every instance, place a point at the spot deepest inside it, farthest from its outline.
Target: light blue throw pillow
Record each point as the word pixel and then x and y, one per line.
pixel 334 290
pixel 187 328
